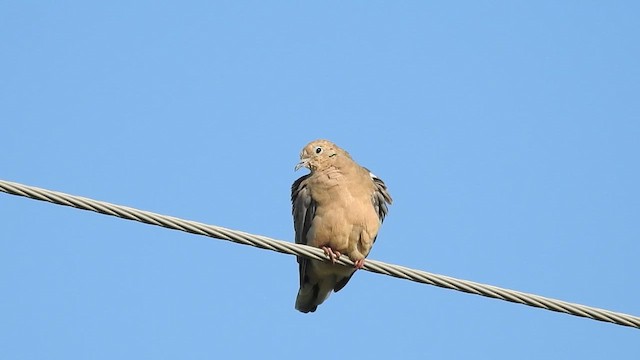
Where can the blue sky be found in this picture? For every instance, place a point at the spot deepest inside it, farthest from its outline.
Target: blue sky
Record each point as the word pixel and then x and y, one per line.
pixel 507 133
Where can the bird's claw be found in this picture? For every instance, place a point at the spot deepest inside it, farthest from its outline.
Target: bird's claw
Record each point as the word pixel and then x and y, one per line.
pixel 332 255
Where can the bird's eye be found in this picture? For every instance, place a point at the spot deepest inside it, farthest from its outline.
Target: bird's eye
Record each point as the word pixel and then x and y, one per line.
pixel 318 150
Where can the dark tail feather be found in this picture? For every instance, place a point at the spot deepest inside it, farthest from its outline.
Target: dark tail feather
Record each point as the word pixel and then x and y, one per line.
pixel 307 299
pixel 342 282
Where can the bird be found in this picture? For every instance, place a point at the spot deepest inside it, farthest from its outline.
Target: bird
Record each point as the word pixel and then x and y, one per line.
pixel 337 207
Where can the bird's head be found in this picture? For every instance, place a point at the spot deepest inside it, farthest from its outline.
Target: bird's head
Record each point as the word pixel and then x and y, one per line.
pixel 320 154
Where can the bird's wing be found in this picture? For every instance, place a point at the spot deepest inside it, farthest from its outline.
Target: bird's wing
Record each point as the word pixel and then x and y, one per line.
pixel 380 197
pixel 303 211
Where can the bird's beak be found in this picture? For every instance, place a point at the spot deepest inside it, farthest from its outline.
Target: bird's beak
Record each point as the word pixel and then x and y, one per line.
pixel 303 163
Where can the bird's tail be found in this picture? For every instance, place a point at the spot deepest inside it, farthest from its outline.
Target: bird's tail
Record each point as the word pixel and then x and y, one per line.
pixel 312 294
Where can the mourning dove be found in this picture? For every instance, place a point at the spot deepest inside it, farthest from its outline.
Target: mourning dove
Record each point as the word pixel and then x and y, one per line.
pixel 338 207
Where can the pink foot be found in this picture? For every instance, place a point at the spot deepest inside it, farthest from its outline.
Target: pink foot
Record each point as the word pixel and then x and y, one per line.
pixel 359 263
pixel 332 255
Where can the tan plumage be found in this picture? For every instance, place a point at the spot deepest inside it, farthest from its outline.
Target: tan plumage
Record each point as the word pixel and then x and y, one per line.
pixel 338 207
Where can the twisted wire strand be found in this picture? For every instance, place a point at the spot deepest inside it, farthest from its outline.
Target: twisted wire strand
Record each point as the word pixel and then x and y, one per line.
pixel 285 247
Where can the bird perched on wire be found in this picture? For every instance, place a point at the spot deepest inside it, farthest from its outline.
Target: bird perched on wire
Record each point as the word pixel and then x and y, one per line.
pixel 338 207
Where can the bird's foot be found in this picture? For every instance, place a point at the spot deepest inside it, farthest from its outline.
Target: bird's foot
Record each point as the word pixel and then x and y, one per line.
pixel 332 255
pixel 359 263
